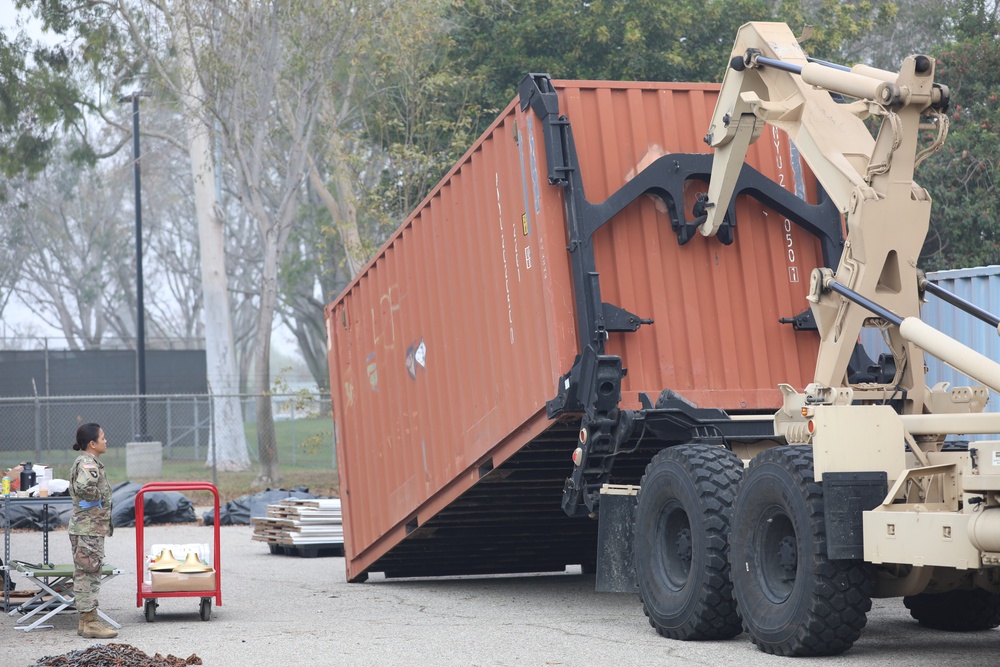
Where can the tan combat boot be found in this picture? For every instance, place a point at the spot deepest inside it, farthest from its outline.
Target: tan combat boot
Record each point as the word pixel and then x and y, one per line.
pixel 92 628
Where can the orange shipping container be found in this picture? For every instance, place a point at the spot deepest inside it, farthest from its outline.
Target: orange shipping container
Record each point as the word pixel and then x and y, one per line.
pixel 445 349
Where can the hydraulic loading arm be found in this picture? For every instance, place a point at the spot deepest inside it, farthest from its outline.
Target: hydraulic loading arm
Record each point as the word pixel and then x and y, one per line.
pixel 893 511
pixel 771 81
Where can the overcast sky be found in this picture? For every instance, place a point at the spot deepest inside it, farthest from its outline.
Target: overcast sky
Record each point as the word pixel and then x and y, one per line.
pixel 9 15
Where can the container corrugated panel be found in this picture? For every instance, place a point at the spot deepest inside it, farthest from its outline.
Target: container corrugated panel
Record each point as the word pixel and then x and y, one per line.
pixel 981 286
pixel 445 348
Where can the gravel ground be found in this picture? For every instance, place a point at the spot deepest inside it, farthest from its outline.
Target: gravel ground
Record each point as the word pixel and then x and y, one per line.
pixel 284 610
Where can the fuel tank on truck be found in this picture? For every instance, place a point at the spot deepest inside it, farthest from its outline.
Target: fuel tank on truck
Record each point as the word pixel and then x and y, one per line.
pixel 445 348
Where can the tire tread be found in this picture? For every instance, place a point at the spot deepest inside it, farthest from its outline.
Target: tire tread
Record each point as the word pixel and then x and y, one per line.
pixel 715 473
pixel 839 595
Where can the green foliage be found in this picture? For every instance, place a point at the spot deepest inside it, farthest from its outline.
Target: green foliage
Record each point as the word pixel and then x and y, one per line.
pixel 963 177
pixel 26 139
pixel 417 109
pixel 46 89
pixel 974 19
pixel 497 43
pixel 838 24
pixel 436 82
pixel 440 74
pixel 301 441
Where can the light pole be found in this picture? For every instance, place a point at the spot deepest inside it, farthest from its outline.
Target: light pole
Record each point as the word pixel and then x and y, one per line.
pixel 140 327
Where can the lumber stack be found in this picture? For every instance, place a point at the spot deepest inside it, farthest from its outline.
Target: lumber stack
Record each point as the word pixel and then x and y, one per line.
pixel 302 527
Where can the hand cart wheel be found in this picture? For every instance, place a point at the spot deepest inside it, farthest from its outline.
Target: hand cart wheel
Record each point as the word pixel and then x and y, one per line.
pixel 150 610
pixel 206 609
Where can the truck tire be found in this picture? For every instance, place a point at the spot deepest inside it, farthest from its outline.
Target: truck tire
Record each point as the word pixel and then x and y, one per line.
pixel 793 600
pixel 681 542
pixel 956 611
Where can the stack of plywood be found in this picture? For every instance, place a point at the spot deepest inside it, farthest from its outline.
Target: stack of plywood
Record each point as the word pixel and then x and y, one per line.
pixel 302 527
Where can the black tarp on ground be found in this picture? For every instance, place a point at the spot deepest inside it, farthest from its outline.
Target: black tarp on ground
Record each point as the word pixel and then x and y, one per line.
pixel 33 517
pixel 159 507
pixel 238 512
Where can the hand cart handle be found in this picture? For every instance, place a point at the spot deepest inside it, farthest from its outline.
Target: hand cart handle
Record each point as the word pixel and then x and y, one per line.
pixel 153 487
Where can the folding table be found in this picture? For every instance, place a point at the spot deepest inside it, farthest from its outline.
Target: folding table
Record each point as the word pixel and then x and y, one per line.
pixel 55 594
pixel 12 502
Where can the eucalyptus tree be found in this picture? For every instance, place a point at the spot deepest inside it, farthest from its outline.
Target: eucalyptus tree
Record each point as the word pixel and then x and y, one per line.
pixel 243 248
pixel 11 238
pixel 419 110
pixel 40 100
pixel 183 29
pixel 171 245
pixel 75 235
pixel 131 46
pixel 270 64
pixel 76 250
pixel 394 119
pixel 310 271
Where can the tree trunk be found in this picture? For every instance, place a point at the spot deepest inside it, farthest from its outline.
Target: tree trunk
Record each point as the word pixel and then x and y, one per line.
pixel 343 207
pixel 270 470
pixel 228 451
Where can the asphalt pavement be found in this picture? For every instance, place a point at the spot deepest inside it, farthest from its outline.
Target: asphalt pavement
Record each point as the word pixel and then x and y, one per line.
pixel 286 610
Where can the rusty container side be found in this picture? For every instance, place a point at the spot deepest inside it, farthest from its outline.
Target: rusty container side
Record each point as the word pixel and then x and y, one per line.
pixel 446 347
pixel 716 338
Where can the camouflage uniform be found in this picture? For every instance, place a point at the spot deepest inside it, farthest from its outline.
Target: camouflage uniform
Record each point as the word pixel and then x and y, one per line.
pixel 88 527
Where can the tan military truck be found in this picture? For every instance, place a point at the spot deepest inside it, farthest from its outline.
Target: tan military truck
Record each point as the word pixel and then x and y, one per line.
pixel 856 496
pixel 738 459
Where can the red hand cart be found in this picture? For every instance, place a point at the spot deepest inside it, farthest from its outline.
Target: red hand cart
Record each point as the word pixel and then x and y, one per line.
pixel 145 592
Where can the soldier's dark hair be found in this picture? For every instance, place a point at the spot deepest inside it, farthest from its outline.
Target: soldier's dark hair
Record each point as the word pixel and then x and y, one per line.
pixel 85 434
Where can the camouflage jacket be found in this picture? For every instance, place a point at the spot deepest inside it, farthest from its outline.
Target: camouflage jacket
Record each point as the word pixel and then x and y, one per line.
pixel 87 482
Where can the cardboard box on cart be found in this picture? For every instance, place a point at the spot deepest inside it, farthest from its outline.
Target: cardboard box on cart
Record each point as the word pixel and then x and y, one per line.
pixel 172 582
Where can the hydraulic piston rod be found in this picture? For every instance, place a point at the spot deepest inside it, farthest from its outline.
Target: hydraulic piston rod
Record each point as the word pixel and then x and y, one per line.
pixel 960 357
pixel 960 303
pixel 836 79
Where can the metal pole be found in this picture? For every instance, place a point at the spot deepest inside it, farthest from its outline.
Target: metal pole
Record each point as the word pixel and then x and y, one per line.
pixel 38 423
pixel 140 327
pixel 212 416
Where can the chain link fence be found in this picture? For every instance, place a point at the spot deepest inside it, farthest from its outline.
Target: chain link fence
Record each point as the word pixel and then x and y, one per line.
pixel 42 429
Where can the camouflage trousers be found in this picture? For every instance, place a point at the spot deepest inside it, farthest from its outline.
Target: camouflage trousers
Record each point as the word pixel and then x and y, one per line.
pixel 88 559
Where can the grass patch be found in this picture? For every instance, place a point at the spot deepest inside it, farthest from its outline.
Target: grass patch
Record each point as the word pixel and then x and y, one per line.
pixel 305 453
pixel 234 485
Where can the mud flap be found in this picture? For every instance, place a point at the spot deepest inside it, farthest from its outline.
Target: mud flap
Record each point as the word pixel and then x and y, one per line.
pixel 616 519
pixel 846 495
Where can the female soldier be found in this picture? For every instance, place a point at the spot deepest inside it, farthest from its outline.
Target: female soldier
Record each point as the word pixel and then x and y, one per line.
pixel 90 523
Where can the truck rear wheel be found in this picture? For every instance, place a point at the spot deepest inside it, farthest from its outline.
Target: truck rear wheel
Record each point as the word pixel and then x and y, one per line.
pixel 956 611
pixel 793 599
pixel 681 542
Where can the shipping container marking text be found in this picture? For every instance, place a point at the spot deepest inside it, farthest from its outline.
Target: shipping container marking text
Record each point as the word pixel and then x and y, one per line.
pixel 779 162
